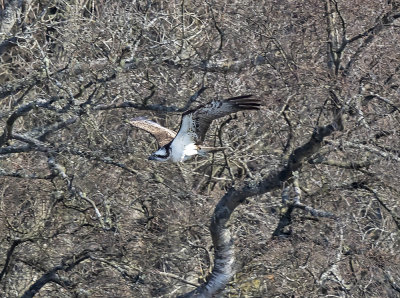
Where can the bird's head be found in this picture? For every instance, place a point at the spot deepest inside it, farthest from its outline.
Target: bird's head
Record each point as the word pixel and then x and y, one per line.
pixel 162 154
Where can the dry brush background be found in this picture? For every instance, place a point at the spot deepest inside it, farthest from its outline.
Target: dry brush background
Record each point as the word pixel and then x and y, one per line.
pixel 83 213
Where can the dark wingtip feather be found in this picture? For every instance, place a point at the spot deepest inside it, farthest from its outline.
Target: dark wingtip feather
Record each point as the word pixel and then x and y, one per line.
pixel 246 102
pixel 240 97
pixel 250 107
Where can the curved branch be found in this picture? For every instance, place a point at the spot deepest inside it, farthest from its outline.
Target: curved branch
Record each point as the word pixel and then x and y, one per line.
pixel 8 258
pixel 22 111
pixel 224 262
pixel 51 275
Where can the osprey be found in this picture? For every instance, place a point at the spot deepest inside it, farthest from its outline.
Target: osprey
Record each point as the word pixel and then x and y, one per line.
pixel 181 146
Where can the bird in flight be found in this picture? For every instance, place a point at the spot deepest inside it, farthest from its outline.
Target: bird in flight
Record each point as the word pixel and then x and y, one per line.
pixel 181 146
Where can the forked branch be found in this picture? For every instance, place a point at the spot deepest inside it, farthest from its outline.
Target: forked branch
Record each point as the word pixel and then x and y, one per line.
pixel 224 264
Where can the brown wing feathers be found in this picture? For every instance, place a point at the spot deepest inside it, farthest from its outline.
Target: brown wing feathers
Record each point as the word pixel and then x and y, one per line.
pixel 163 135
pixel 202 117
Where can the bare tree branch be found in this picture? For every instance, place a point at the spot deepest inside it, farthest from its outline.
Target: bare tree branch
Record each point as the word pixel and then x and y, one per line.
pixel 59 170
pixel 10 251
pixel 224 262
pixel 51 275
pixel 369 148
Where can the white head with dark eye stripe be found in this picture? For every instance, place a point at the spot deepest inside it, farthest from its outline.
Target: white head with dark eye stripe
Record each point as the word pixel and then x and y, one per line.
pixel 162 154
pixel 186 143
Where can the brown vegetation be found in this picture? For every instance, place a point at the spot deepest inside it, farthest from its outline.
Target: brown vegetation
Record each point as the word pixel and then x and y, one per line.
pixel 304 203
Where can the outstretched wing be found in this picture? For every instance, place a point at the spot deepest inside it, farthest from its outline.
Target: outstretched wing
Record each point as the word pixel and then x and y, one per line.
pixel 163 135
pixel 196 122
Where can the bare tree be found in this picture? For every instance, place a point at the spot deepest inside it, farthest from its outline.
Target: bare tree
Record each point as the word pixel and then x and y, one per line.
pixel 304 201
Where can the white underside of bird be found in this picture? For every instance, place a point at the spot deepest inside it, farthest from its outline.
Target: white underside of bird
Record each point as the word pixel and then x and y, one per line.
pixel 183 147
pixel 188 141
